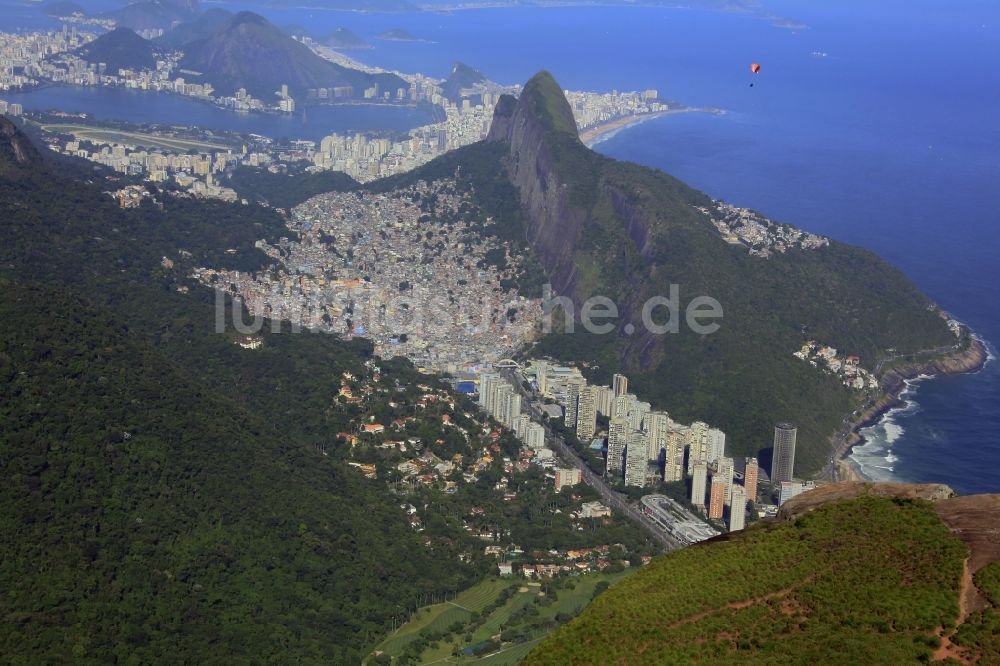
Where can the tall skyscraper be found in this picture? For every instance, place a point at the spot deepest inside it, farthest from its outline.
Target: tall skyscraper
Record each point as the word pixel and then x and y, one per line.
pixel 620 385
pixel 623 405
pixel 635 459
pixel 541 376
pixel 486 383
pixel 511 408
pixel 586 413
pixel 783 461
pixel 637 414
pixel 606 401
pixel 698 481
pixel 655 426
pixel 717 499
pixel 697 445
pixel 750 475
pixel 725 468
pixel 617 439
pixel 520 426
pixel 738 510
pixel 673 469
pixel 716 444
pixel 573 388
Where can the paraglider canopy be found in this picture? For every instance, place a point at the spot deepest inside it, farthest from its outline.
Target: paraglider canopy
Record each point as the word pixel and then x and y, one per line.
pixel 755 68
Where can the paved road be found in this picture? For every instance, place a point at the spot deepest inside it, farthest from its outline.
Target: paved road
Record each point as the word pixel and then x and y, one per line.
pixel 614 499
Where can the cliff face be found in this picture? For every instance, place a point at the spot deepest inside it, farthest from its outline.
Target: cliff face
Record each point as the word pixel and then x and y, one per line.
pixel 17 155
pixel 527 126
pixel 629 233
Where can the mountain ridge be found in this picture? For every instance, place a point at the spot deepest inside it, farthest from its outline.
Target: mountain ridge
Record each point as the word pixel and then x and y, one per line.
pixel 202 26
pixel 249 52
pixel 119 49
pixel 153 14
pixel 605 227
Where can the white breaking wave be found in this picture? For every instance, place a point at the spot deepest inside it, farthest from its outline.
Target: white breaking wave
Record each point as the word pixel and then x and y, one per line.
pixel 874 456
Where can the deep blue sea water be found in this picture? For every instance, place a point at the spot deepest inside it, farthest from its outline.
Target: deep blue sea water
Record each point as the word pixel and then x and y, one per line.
pixel 890 141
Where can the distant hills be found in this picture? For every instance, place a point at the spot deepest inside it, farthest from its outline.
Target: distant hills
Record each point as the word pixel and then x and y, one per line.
pixel 875 574
pixel 63 9
pixel 397 35
pixel 247 51
pixel 342 38
pixel 121 49
pixel 386 6
pixel 154 14
pixel 200 27
pixel 461 76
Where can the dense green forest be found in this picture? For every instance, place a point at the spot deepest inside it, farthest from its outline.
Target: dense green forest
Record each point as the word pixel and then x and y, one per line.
pixel 287 190
pixel 860 581
pixel 169 496
pixel 163 497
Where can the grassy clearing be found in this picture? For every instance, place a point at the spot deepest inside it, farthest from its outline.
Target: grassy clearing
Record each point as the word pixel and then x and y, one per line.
pixel 512 608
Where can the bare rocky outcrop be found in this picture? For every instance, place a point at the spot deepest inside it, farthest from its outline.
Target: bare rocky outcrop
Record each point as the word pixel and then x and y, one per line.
pixel 554 224
pixel 845 490
pixel 16 151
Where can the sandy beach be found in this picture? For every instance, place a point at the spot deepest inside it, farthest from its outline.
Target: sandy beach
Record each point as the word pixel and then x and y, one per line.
pixel 593 136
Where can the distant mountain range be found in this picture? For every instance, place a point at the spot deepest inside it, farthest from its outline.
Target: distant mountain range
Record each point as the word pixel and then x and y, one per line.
pixel 200 27
pixel 154 14
pixel 63 9
pixel 385 6
pixel 247 51
pixel 121 49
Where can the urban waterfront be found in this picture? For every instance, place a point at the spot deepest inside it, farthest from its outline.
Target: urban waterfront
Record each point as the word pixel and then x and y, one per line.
pixel 149 107
pixel 846 134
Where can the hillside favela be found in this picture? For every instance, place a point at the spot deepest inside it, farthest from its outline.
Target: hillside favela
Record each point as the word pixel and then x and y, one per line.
pixel 389 332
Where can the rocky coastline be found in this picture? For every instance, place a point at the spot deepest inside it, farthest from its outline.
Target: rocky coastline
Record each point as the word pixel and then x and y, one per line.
pixel 971 358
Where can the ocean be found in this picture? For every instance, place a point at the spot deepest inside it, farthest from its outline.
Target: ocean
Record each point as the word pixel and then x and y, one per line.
pixel 873 123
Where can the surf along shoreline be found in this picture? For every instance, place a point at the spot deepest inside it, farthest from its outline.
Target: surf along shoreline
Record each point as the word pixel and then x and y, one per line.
pixel 970 357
